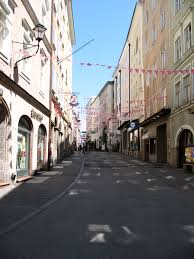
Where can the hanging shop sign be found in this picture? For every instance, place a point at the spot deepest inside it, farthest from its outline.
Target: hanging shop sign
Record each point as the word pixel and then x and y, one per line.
pixel 74 101
pixel 37 116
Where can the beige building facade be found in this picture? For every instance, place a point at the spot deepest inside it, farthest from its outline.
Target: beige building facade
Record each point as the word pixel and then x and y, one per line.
pixel 182 83
pixel 24 96
pixel 63 39
pixel 156 58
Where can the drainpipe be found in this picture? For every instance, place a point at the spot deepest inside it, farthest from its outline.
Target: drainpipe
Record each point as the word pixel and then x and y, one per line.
pixel 50 89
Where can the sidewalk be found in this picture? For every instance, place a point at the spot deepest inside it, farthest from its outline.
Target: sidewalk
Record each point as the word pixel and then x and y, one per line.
pixel 22 199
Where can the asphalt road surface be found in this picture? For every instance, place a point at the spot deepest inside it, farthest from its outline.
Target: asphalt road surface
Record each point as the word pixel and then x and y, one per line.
pixel 117 209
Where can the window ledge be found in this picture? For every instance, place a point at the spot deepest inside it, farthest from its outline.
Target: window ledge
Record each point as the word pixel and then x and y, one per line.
pixel 25 77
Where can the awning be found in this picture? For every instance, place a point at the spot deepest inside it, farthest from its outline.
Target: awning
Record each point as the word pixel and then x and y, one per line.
pixel 149 134
pixel 124 125
pixel 156 116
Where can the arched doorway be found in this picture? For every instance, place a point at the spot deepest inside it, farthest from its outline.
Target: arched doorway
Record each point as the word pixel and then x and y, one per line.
pixel 23 146
pixel 3 140
pixel 185 139
pixel 41 147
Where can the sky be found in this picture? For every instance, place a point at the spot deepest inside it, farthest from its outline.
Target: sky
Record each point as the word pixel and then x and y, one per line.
pixel 107 22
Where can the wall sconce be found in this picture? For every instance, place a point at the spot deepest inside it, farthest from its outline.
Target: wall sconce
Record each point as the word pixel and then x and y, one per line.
pixel 39 32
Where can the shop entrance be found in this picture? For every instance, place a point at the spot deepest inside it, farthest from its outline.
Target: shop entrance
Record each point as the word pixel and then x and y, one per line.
pixel 185 139
pixel 41 145
pixel 3 138
pixel 23 146
pixel 161 144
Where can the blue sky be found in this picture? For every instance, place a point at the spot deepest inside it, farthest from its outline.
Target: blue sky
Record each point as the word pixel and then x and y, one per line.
pixel 107 22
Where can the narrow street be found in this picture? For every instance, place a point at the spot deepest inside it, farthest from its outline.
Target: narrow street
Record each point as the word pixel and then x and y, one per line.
pixel 118 208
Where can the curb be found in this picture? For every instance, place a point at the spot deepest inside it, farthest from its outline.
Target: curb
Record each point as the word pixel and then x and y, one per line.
pixel 28 217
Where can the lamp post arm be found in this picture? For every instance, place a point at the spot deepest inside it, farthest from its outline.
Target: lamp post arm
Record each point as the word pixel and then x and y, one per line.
pixel 28 56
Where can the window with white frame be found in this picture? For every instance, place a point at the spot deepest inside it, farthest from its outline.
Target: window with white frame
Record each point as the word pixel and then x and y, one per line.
pixel 154 71
pixel 153 4
pixel 178 94
pixel 164 97
pixel 178 49
pixel 4 34
pixel 177 6
pixel 154 33
pixel 43 74
pixel 147 79
pixel 187 88
pixel 163 59
pixel 162 19
pixel 27 61
pixel 187 37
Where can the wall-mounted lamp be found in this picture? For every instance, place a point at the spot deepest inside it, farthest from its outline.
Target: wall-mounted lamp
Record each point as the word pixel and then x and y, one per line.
pixel 39 32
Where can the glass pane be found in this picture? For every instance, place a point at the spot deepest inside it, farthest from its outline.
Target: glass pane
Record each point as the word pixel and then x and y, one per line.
pixel 22 153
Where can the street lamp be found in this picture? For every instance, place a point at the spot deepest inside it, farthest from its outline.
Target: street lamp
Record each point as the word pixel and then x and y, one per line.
pixel 39 32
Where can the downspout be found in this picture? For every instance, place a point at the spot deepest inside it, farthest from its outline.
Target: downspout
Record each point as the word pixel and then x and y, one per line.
pixel 50 90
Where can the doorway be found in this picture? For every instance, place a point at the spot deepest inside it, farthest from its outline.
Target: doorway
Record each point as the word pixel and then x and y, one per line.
pixel 185 139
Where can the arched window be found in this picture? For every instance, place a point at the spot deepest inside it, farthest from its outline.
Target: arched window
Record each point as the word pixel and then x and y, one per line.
pixel 23 146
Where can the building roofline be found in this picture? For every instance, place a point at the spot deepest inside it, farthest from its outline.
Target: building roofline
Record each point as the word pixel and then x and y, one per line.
pixel 71 21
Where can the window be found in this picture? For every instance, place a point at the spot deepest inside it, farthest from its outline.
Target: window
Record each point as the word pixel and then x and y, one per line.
pixel 26 62
pixel 177 6
pixel 146 16
pixel 163 59
pixel 154 71
pixel 187 37
pixel 178 49
pixel 154 33
pixel 187 88
pixel 162 19
pixel 152 145
pixel 147 79
pixel 177 93
pixel 136 45
pixel 43 77
pixel 153 4
pixel 4 34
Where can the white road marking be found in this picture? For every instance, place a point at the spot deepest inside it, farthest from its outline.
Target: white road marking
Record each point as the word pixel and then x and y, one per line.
pixel 186 187
pixel 137 173
pixel 116 168
pixel 61 172
pixel 170 177
pixel 95 168
pixel 98 174
pixel 99 228
pixel 127 230
pixel 188 179
pixel 98 238
pixel 73 192
pixel 86 174
pixel 147 172
pixel 116 174
pixel 163 171
pixel 150 180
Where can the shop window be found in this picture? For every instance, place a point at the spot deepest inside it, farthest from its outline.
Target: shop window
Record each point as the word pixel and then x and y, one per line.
pixel 41 146
pixel 23 146
pixel 152 145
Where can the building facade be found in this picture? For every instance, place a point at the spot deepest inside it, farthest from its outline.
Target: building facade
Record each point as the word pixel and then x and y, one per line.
pixel 63 39
pixel 25 90
pixel 156 60
pixel 182 82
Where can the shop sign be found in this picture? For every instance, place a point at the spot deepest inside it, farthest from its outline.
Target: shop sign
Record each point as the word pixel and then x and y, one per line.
pixel 74 101
pixel 37 116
